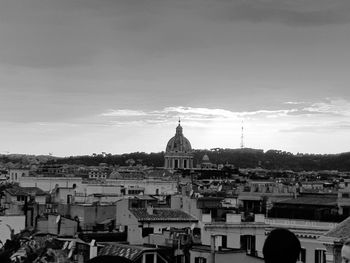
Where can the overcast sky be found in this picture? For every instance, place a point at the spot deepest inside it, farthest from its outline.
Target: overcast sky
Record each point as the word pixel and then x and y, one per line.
pixel 91 76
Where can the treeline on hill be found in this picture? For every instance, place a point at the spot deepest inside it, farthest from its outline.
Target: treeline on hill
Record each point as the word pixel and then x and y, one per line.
pixel 242 158
pixel 23 159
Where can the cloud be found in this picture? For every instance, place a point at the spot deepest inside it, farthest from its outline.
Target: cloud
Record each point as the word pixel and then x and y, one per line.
pixel 326 127
pixel 327 116
pixel 297 125
pixel 332 109
pixel 123 113
pixel 295 102
pixel 338 107
pixel 189 115
pixel 322 117
pixel 290 12
pixel 74 33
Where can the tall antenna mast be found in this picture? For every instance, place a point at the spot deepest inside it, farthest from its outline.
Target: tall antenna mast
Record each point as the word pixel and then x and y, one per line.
pixel 242 137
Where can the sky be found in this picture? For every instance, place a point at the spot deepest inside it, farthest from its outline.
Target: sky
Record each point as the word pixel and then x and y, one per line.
pixel 89 76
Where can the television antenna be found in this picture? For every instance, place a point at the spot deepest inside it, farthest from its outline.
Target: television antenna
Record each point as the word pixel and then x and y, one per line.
pixel 242 136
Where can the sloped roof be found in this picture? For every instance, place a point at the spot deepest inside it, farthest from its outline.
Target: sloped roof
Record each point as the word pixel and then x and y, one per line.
pixel 126 251
pixel 163 214
pixel 159 173
pixel 341 231
pixel 25 191
pixel 311 200
pixel 145 197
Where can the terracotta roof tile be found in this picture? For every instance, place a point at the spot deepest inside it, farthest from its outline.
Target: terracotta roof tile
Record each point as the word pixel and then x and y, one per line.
pixel 314 200
pixel 341 231
pixel 163 214
pixel 126 251
pixel 25 191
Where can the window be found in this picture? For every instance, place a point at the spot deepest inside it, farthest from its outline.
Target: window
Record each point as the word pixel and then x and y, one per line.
pixel 200 260
pixel 197 231
pixel 345 195
pixel 178 259
pixel 320 256
pixel 146 231
pixel 248 244
pixel 149 258
pixel 69 199
pixel 185 163
pixel 346 211
pixel 302 256
pixel 176 164
pixel 224 241
pixel 21 198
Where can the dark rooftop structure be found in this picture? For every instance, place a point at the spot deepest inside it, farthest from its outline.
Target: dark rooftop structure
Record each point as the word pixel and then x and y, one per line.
pixel 130 252
pixel 163 214
pixel 312 200
pixel 25 191
pixel 320 207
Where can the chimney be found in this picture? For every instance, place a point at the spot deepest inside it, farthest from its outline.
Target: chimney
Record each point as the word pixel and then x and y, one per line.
pixel 150 210
pixel 212 243
pixel 93 249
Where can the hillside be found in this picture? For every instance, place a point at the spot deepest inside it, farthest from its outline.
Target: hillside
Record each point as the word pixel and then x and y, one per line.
pixel 243 158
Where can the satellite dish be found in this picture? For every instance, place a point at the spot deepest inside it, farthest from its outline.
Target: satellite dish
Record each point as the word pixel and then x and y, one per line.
pixel 65 246
pixel 191 193
pixel 220 187
pixel 58 218
pixel 93 243
pixel 71 244
pixel 193 226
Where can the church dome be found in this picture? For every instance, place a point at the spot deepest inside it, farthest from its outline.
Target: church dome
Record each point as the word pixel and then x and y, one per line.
pixel 205 159
pixel 179 143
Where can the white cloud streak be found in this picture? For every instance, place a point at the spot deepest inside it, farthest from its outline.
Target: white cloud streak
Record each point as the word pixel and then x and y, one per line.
pixel 123 113
pixel 296 127
pixel 195 114
pixel 298 117
pixel 338 107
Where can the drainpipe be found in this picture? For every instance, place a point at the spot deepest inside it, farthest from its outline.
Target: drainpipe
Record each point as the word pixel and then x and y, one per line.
pixel 212 248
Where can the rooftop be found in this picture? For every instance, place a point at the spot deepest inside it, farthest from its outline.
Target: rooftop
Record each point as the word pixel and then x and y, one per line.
pixel 163 214
pixel 341 231
pixel 206 248
pixel 126 251
pixel 311 200
pixel 26 191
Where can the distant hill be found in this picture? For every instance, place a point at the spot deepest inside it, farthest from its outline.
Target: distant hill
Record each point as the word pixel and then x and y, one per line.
pixel 243 158
pixel 20 160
